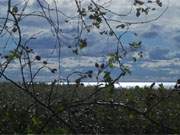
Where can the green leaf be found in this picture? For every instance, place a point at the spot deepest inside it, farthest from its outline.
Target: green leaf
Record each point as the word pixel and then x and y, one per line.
pixel 135 44
pixel 134 59
pixel 82 43
pixel 59 131
pixel 120 26
pixel 107 77
pixel 140 54
pixel 111 33
pixel 96 65
pixel 139 2
pixel 126 69
pixel 36 121
pixel 38 57
pixel 83 12
pixel 54 70
pixel 14 9
pixel 111 65
pixel 75 51
pixel 13 55
pixel 161 86
pixel 60 108
pixel 131 116
pixel 113 58
pixel 159 3
pixel 14 29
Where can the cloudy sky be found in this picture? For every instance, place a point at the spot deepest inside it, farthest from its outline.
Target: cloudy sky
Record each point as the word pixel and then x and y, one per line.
pixel 160 40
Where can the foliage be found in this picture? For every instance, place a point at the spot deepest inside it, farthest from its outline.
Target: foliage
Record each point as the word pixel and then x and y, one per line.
pixel 136 110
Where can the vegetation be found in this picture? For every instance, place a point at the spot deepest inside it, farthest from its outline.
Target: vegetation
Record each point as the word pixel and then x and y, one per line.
pixel 136 110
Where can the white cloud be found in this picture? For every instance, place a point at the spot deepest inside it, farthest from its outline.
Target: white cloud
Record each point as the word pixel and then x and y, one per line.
pixel 161 63
pixel 84 61
pixel 72 63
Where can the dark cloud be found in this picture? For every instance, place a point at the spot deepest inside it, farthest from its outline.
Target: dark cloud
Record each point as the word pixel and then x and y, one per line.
pixel 100 50
pixel 178 55
pixel 177 31
pixel 150 74
pixel 177 39
pixel 35 22
pixel 53 53
pixel 176 42
pixel 43 43
pixel 158 54
pixel 155 27
pixel 152 34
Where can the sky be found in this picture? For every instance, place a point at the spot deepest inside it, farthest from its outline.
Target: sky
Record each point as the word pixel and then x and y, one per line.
pixel 160 41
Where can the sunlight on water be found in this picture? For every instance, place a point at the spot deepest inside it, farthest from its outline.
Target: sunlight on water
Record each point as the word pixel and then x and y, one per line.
pixel 128 84
pixel 134 84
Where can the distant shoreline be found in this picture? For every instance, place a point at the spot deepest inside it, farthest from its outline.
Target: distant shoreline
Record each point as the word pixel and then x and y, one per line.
pixel 168 85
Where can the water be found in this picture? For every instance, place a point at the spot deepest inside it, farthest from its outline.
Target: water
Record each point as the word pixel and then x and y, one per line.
pixel 168 85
